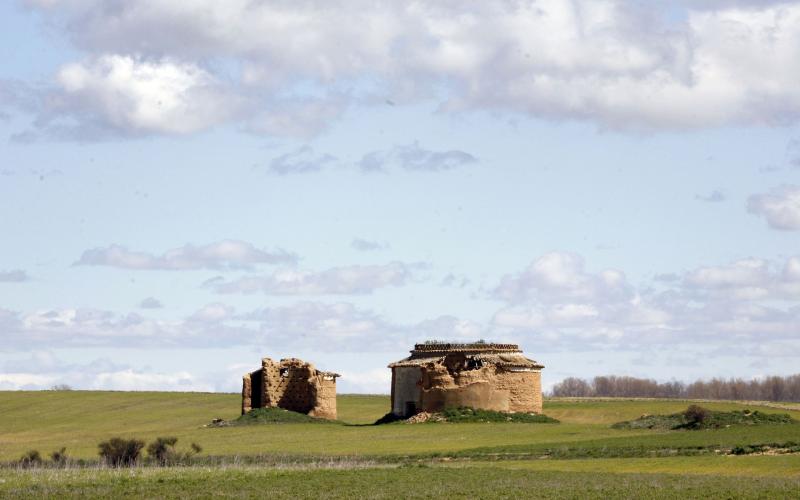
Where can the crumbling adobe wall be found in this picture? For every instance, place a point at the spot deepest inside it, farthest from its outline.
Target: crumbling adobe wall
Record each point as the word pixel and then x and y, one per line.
pixel 291 384
pixel 462 380
pixel 525 390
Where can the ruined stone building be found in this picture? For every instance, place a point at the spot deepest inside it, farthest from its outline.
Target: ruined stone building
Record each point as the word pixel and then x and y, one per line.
pixel 291 384
pixel 479 375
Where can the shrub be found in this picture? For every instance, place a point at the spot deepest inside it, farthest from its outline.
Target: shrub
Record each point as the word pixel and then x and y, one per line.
pixel 59 457
pixel 30 459
pixel 119 452
pixel 162 449
pixel 696 415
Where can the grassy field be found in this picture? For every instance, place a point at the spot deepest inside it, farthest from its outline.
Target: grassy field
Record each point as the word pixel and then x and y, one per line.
pixel 582 454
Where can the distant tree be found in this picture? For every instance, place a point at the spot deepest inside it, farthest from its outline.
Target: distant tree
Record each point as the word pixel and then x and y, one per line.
pixel 61 387
pixel 768 389
pixel 572 387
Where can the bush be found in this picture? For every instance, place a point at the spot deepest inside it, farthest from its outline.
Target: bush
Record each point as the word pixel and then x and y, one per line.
pixel 696 416
pixel 276 416
pixel 59 457
pixel 119 452
pixel 30 459
pixel 162 449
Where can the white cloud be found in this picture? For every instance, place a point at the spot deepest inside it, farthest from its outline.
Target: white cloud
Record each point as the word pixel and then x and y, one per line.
pixel 780 207
pixel 141 96
pixel 226 254
pixel 340 326
pixel 742 273
pixel 748 301
pixel 43 370
pixel 558 277
pixel 72 327
pixel 596 60
pixel 377 381
pixel 346 280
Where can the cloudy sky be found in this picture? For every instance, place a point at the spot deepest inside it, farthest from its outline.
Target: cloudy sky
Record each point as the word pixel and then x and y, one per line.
pixel 186 187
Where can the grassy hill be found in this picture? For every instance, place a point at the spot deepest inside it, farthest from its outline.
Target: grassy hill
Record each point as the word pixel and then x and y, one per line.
pixel 369 456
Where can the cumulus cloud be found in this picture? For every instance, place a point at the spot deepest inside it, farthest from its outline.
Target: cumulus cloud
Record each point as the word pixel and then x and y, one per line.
pixel 311 324
pixel 747 279
pixel 780 207
pixel 300 161
pixel 722 63
pixel 140 96
pixel 749 301
pixel 363 245
pixel 304 324
pixel 415 158
pixel 43 370
pixel 346 280
pixel 559 276
pixel 80 327
pixel 226 254
pixel 13 276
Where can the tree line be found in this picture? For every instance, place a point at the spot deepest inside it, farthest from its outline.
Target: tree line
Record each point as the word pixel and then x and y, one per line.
pixel 772 388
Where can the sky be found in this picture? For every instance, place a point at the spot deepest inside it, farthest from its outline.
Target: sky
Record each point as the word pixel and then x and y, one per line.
pixel 187 187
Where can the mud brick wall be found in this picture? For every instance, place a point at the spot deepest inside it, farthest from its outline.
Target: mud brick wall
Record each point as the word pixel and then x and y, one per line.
pixel 291 384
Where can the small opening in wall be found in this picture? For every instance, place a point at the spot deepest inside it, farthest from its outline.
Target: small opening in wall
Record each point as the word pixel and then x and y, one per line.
pixel 284 372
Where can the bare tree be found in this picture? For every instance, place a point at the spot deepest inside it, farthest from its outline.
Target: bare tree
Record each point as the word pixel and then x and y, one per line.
pixel 772 388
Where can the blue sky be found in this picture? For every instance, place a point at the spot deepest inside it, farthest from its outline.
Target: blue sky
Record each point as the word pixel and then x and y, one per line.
pixel 186 188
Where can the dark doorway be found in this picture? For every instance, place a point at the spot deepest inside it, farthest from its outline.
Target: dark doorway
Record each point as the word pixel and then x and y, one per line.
pixel 256 389
pixel 411 408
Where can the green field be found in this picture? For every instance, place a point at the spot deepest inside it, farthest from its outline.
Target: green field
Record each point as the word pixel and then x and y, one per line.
pixel 581 456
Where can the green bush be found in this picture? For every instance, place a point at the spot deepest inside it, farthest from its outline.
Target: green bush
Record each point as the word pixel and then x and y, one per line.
pixel 120 452
pixel 162 449
pixel 59 457
pixel 275 416
pixel 696 416
pixel 31 458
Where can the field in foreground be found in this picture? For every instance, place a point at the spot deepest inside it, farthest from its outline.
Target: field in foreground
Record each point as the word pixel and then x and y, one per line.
pixel 580 457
